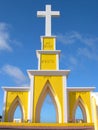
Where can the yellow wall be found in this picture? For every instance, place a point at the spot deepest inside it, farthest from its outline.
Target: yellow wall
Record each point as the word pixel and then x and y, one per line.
pixel 48 62
pixel 23 96
pixel 39 125
pixel 56 84
pixel 73 97
pixel 95 112
pixel 48 43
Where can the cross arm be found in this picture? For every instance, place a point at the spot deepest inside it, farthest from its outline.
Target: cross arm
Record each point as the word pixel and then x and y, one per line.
pixel 55 13
pixel 41 13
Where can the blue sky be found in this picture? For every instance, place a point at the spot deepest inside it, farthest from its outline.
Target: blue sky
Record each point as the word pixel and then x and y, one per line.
pixel 77 37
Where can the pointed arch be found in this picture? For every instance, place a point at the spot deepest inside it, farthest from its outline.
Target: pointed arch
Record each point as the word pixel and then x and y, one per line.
pixel 15 103
pixel 83 108
pixel 48 111
pixel 48 90
pixel 78 115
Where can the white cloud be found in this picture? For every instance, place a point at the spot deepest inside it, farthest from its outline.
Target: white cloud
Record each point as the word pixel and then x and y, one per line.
pixel 68 60
pixel 90 50
pixel 73 37
pixel 90 54
pixel 89 41
pixel 4 37
pixel 79 48
pixel 73 60
pixel 68 38
pixel 15 73
pixel 88 44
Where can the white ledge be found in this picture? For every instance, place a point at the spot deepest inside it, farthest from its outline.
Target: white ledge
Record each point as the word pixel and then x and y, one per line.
pixel 48 36
pixel 48 52
pixel 80 88
pixel 16 88
pixel 48 72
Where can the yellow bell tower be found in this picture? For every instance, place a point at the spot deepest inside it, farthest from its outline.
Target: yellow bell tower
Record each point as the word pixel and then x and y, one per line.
pixel 48 79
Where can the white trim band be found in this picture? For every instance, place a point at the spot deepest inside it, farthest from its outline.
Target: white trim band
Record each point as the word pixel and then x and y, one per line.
pixel 16 88
pixel 48 72
pixel 80 88
pixel 38 52
pixel 48 36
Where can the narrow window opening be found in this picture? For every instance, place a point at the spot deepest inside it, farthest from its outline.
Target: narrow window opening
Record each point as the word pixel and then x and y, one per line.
pixel 79 115
pixel 17 114
pixel 48 111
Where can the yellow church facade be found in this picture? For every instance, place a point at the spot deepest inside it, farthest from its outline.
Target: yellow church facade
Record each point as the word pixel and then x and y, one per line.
pixel 49 79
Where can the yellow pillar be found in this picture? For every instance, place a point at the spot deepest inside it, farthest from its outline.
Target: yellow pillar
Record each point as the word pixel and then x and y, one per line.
pixel 95 113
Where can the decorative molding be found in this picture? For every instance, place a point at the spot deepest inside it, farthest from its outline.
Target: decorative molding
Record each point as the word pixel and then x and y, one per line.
pixel 39 64
pixel 4 105
pixel 54 43
pixel 31 99
pixel 91 103
pixel 82 105
pixel 48 72
pixel 38 52
pixel 80 88
pixel 57 62
pixel 16 102
pixel 16 88
pixel 65 99
pixel 47 89
pixel 41 38
pixel 95 95
pixel 94 110
pixel 47 37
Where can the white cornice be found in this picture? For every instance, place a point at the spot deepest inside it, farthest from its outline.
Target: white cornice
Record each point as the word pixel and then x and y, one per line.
pixel 47 52
pixel 80 89
pixel 47 36
pixel 16 88
pixel 48 72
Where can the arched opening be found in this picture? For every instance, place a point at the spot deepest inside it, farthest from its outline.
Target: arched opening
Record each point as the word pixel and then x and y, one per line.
pixel 48 111
pixel 17 114
pixel 80 110
pixel 47 90
pixel 15 106
pixel 78 115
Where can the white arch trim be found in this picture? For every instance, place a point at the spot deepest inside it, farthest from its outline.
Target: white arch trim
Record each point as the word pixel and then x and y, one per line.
pixel 48 90
pixel 15 103
pixel 83 106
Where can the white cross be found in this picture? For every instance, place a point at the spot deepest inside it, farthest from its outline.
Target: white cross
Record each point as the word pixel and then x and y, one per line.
pixel 48 14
